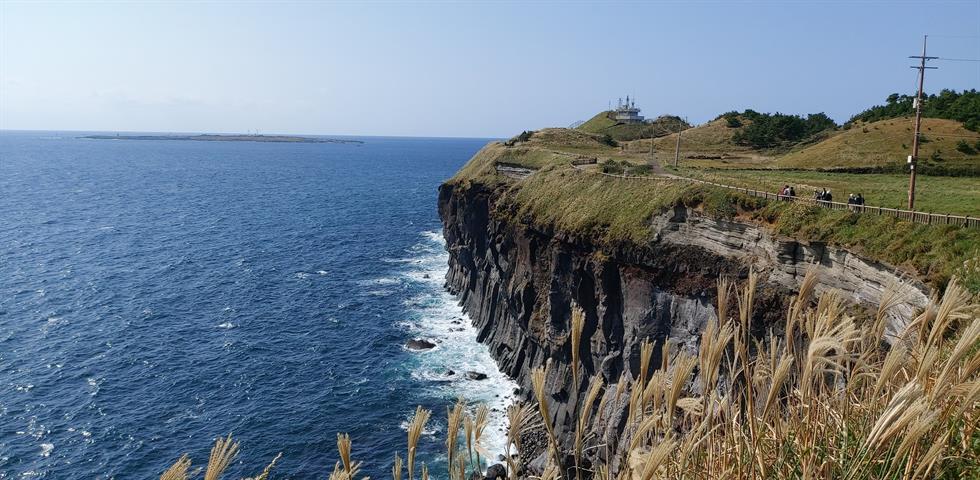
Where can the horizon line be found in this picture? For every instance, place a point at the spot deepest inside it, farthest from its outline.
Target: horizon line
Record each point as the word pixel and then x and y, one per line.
pixel 173 132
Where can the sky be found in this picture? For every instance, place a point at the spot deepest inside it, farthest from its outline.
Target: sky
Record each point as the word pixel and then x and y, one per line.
pixel 460 69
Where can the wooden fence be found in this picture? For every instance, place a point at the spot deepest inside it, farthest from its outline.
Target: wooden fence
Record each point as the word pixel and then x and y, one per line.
pixel 907 215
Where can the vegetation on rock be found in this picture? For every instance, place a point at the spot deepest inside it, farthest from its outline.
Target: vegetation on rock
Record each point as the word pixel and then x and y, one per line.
pixel 828 397
pixel 949 104
pixel 772 130
pixel 604 124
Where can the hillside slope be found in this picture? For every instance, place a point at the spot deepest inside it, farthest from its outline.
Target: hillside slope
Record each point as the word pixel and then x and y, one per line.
pixel 602 124
pixel 711 143
pixel 887 143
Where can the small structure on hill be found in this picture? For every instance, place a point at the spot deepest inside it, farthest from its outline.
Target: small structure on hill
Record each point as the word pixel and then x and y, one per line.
pixel 627 112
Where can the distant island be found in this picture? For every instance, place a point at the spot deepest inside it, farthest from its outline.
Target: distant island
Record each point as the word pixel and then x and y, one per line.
pixel 226 138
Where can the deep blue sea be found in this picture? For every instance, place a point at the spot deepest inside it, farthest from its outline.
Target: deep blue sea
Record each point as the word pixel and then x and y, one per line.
pixel 155 295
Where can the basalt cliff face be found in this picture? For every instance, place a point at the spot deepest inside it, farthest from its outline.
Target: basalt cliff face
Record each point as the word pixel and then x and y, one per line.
pixel 518 283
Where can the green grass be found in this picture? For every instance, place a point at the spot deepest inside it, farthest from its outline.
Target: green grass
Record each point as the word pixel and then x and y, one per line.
pixel 953 195
pixel 601 124
pixel 612 211
pixel 597 124
pixel 887 143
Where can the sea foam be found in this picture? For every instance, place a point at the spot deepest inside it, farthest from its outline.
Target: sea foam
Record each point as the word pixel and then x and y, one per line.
pixel 440 318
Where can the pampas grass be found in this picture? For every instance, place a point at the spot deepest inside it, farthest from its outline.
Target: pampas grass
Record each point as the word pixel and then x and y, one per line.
pixel 178 471
pixel 828 398
pixel 224 451
pixel 454 420
pixel 415 429
pixel 520 417
pixel 538 378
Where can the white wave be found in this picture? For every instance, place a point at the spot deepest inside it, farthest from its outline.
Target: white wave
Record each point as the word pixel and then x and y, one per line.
pixel 440 318
pixel 430 429
pixel 46 449
pixel 321 272
pixel 435 236
pixel 94 384
pixel 227 325
pixel 379 281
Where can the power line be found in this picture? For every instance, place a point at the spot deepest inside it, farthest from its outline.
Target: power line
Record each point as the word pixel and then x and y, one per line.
pixel 959 59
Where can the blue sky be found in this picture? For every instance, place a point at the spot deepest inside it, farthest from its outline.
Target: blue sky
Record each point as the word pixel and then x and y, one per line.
pixel 459 69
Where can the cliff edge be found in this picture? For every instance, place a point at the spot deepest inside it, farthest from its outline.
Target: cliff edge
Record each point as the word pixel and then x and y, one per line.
pixel 531 237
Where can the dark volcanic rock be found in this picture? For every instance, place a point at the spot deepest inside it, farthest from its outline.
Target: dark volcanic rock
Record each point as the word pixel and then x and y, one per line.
pixel 419 344
pixel 496 472
pixel 476 375
pixel 518 282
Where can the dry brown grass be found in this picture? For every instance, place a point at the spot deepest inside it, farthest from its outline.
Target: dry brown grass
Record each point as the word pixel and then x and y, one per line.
pixel 828 398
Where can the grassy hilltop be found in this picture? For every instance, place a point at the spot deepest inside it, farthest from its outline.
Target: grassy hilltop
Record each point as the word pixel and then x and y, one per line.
pixel 603 124
pixel 609 210
pixel 882 145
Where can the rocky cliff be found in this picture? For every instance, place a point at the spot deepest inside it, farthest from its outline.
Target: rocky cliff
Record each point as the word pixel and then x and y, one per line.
pixel 518 283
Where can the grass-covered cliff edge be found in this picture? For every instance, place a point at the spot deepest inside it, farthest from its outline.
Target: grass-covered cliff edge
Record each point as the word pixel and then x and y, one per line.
pixel 610 211
pixel 610 300
pixel 646 350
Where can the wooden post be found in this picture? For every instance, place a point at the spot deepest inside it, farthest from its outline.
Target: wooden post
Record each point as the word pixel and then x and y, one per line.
pixel 677 149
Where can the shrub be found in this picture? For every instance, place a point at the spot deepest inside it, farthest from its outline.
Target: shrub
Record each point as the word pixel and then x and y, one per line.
pixel 769 130
pixel 829 393
pixel 523 137
pixel 964 147
pixel 949 104
pixel 733 121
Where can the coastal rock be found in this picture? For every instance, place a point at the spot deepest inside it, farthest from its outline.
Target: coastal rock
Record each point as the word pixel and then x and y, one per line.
pixel 518 281
pixel 496 472
pixel 419 344
pixel 476 375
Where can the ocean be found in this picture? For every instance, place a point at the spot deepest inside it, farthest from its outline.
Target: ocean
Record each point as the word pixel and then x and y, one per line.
pixel 156 295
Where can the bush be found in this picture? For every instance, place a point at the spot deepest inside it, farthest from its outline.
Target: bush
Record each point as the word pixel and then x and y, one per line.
pixel 769 130
pixel 523 137
pixel 624 167
pixel 948 104
pixel 731 119
pixel 964 147
pixel 611 166
pixel 607 139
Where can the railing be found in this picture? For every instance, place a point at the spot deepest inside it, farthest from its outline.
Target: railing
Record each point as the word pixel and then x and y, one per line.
pixel 927 218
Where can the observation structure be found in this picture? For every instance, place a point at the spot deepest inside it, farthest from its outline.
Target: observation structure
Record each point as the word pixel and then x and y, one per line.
pixel 626 112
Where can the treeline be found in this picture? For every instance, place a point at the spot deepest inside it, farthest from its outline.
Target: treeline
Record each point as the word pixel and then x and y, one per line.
pixel 948 104
pixel 771 130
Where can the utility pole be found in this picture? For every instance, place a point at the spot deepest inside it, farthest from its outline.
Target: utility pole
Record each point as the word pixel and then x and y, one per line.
pixel 918 119
pixel 677 149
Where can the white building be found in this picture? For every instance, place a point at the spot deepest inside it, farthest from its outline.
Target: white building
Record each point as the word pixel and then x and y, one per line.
pixel 627 112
